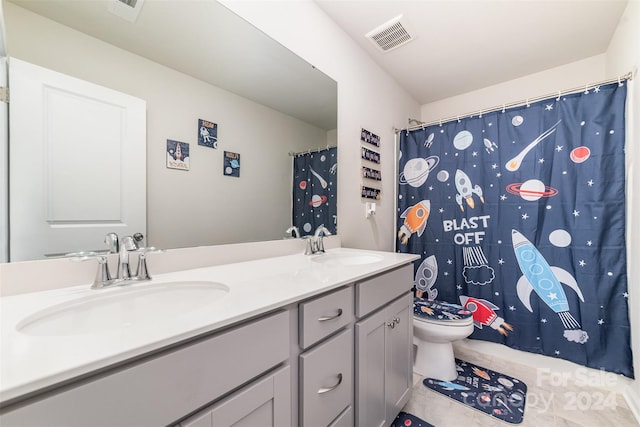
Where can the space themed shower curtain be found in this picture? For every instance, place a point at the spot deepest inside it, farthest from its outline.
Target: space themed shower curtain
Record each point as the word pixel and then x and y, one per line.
pixel 519 215
pixel 315 185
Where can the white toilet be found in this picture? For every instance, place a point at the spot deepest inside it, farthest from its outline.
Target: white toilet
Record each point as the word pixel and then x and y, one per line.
pixel 436 325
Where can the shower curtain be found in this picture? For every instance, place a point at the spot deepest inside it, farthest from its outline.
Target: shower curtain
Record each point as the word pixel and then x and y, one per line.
pixel 519 216
pixel 315 185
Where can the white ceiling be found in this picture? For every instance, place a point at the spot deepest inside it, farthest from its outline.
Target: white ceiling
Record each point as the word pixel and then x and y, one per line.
pixel 462 46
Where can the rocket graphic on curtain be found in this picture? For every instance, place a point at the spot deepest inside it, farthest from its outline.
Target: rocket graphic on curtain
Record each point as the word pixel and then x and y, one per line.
pixel 519 216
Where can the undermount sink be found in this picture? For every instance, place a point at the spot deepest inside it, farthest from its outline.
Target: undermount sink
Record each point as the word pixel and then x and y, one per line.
pixel 347 259
pixel 122 307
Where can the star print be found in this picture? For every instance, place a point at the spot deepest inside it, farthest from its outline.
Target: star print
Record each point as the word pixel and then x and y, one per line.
pixel 498 175
pixel 626 294
pixel 512 308
pixel 596 89
pixel 503 197
pixel 600 321
pixel 543 320
pixel 552 296
pixel 474 154
pixel 564 172
pixel 541 160
pixel 441 210
pixel 431 188
pixel 458 287
pixel 494 166
pixel 575 213
pixel 589 243
pixel 559 148
pixel 446 273
pixel 525 216
pixel 548 107
pixel 590 183
pixel 490 123
pixel 449 262
pixel 582 263
pixel 501 261
pixel 557 352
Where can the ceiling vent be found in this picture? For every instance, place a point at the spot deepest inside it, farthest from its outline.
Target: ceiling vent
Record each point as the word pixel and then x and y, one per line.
pixel 126 9
pixel 391 34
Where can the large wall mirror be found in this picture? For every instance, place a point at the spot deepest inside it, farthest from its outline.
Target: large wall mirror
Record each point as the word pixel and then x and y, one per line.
pixel 192 60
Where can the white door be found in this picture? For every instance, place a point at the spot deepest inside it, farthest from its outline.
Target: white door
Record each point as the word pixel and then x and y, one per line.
pixel 77 163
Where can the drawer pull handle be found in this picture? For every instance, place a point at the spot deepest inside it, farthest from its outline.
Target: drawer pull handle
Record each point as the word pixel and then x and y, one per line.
pixel 328 389
pixel 391 324
pixel 335 316
pixel 396 320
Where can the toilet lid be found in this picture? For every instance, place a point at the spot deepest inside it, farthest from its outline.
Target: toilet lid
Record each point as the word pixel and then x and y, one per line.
pixel 441 311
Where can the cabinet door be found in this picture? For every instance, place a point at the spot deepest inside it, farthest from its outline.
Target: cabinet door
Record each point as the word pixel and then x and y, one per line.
pixel 384 363
pixel 266 403
pixel 399 367
pixel 370 371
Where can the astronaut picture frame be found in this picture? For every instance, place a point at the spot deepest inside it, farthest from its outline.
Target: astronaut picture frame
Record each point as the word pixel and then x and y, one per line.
pixel 207 133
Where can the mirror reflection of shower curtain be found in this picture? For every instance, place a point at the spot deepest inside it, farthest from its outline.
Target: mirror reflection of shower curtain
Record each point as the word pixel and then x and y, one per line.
pixel 315 186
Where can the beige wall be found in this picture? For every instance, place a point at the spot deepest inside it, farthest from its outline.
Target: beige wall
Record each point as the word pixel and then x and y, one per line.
pixel 623 56
pixel 201 206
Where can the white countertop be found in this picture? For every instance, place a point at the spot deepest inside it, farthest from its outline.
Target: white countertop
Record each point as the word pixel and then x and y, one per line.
pixel 29 363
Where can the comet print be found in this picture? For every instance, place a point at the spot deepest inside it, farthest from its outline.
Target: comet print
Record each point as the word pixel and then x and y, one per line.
pixel 514 164
pixel 466 190
pixel 323 182
pixel 545 280
pixel 484 313
pixel 476 270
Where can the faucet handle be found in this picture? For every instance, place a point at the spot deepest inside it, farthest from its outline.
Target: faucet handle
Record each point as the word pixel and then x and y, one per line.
pixel 142 272
pixel 310 248
pixel 103 276
pixel 111 240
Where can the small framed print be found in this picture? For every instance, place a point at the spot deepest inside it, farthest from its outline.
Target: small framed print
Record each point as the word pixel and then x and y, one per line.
pixel 369 138
pixel 177 155
pixel 371 174
pixel 231 165
pixel 207 133
pixel 370 193
pixel 370 155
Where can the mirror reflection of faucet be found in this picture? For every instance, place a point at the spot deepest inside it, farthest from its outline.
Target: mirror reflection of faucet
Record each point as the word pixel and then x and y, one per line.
pixel 294 231
pixel 123 248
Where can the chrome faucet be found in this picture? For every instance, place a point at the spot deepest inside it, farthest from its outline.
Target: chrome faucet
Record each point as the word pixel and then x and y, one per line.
pixel 315 243
pixel 123 248
pixel 294 231
pixel 127 244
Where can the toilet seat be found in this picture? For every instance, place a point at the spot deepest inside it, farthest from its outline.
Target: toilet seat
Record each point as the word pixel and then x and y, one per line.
pixel 440 312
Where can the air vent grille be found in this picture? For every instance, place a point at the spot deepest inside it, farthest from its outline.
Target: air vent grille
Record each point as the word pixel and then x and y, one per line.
pixel 391 34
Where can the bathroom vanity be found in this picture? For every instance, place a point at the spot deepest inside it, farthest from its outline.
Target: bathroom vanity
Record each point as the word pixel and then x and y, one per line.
pixel 295 340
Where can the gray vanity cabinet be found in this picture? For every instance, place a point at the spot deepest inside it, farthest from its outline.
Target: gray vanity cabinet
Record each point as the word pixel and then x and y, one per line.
pixel 265 403
pixel 327 363
pixel 383 344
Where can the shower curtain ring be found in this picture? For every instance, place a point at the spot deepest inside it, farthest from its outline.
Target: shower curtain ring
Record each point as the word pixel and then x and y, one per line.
pixel 503 107
pixel 559 94
pixel 619 82
pixel 527 102
pixel 586 88
pixel 458 119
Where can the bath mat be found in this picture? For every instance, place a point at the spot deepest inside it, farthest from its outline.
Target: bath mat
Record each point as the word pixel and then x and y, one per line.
pixel 490 392
pixel 404 419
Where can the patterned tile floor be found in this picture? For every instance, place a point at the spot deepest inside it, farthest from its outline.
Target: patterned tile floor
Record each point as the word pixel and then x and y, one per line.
pixel 547 405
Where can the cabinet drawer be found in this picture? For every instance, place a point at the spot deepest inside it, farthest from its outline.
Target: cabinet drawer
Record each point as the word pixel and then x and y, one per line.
pixel 163 389
pixel 326 380
pixel 325 315
pixel 373 293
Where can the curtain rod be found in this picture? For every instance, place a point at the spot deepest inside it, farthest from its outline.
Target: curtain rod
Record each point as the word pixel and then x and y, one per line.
pixel 316 150
pixel 620 79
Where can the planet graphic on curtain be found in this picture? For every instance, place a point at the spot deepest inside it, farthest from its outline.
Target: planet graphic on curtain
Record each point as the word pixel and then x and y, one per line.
pixel 416 171
pixel 316 200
